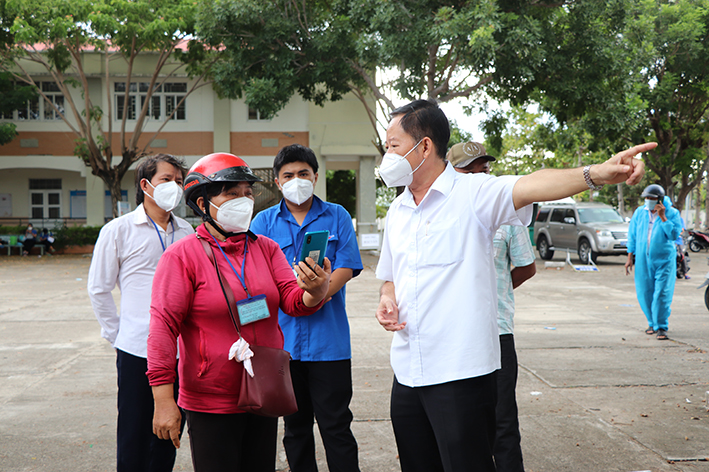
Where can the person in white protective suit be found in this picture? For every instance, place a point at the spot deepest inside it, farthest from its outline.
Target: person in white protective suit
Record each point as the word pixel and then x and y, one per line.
pixel 651 240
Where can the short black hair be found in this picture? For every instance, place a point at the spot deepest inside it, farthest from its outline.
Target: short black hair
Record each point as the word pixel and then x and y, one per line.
pixel 149 166
pixel 294 153
pixel 424 118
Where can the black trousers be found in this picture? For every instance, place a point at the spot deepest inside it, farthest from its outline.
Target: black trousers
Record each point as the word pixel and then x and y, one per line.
pixel 508 452
pixel 138 448
pixel 323 391
pixel 447 427
pixel 239 442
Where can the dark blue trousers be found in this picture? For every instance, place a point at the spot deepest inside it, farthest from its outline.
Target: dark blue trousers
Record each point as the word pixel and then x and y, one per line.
pixel 139 450
pixel 508 452
pixel 448 427
pixel 323 391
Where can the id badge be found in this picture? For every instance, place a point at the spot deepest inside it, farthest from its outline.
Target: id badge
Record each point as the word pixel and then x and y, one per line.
pixel 252 309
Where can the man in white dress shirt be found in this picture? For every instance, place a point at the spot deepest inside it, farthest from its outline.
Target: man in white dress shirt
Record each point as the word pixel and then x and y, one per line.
pixel 126 255
pixel 439 291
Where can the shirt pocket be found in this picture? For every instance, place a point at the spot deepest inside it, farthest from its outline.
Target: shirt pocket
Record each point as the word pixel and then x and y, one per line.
pixel 331 252
pixel 441 243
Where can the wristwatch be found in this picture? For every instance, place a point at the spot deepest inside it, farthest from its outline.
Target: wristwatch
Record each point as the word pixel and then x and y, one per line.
pixel 587 178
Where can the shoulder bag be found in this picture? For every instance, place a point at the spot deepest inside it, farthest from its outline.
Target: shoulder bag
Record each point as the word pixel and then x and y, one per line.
pixel 270 391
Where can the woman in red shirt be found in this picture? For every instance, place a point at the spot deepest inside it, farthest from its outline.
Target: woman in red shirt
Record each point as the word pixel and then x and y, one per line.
pixel 189 308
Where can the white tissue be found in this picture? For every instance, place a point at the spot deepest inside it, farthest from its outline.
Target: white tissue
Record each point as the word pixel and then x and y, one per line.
pixel 240 352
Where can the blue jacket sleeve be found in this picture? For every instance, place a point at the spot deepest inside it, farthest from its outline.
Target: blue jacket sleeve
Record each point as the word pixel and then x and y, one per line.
pixel 673 226
pixel 631 233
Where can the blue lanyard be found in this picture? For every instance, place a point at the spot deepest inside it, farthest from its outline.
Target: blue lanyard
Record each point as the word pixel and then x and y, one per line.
pixel 242 277
pixel 158 231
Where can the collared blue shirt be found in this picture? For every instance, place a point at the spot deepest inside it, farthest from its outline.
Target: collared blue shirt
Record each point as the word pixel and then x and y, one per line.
pixel 324 335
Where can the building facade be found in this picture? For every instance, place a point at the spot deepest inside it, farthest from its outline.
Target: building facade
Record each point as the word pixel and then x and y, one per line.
pixel 43 182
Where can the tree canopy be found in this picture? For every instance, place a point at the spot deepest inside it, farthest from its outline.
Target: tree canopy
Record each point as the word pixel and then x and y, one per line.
pixel 626 71
pixel 424 48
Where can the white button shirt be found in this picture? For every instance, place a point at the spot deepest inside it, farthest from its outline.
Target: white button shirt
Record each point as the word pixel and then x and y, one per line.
pixel 126 254
pixel 439 255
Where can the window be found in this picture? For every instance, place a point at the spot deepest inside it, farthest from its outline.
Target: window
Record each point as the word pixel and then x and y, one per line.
pixel 164 100
pixel 54 96
pixel 45 198
pixel 557 215
pixel 255 115
pixel 542 215
pixel 39 108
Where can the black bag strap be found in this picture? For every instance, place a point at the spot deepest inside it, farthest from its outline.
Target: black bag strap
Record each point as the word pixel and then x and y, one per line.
pixel 226 289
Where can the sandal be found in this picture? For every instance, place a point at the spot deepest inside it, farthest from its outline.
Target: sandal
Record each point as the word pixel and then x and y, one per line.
pixel 662 335
pixel 650 331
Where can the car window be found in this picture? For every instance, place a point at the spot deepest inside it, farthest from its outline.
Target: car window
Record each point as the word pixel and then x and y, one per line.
pixel 599 215
pixel 570 214
pixel 557 215
pixel 543 213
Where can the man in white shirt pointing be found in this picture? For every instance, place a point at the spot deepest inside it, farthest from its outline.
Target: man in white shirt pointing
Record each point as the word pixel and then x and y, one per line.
pixel 439 291
pixel 126 255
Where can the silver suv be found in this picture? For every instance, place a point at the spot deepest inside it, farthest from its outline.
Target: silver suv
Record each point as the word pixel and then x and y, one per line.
pixel 590 229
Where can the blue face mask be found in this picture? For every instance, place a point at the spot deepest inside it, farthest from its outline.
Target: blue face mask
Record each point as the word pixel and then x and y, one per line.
pixel 650 204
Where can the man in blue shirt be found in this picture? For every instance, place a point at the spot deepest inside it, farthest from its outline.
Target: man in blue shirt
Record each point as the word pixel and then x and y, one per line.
pixel 319 343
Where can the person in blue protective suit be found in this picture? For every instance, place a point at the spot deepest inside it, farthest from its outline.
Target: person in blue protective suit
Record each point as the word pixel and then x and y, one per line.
pixel 651 239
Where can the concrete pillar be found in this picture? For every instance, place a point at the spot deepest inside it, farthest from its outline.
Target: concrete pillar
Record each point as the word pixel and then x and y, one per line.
pixel 321 185
pixel 95 195
pixel 366 196
pixel 222 125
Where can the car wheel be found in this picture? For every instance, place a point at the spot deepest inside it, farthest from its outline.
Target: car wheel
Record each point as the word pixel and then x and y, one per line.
pixel 543 248
pixel 585 252
pixel 706 298
pixel 694 246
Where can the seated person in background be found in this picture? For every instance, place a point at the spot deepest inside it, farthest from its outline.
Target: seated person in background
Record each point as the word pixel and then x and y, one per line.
pixel 46 239
pixel 30 240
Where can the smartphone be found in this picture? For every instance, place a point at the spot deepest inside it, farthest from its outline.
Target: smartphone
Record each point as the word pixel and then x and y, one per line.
pixel 314 246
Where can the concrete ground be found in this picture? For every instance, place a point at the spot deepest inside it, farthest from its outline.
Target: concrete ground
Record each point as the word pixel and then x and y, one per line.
pixel 595 392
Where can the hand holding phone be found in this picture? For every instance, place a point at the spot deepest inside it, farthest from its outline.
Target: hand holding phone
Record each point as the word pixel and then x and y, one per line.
pixel 314 246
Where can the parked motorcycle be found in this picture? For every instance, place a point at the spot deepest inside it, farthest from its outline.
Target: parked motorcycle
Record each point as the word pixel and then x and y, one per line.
pixel 706 292
pixel 697 240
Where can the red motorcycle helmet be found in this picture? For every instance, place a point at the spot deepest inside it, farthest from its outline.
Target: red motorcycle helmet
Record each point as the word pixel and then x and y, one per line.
pixel 216 167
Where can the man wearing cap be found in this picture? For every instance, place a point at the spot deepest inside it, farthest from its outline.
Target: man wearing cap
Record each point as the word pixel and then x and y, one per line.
pixel 651 243
pixel 512 248
pixel 437 247
pixel 470 158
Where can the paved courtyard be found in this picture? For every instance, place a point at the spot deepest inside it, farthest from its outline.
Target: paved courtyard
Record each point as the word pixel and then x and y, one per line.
pixel 595 392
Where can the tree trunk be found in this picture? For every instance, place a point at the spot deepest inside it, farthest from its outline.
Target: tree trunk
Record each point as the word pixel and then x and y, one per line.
pixel 706 209
pixel 621 200
pixel 114 186
pixel 698 205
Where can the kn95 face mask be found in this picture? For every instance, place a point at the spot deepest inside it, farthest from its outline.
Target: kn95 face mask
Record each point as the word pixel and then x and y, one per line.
pixel 166 195
pixel 297 190
pixel 396 171
pixel 234 215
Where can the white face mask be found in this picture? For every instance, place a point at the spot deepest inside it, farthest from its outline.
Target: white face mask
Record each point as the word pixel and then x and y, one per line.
pixel 166 195
pixel 234 215
pixel 297 190
pixel 650 204
pixel 396 171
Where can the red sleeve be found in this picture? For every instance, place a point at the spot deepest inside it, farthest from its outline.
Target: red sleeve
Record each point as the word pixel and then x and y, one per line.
pixel 172 296
pixel 291 295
